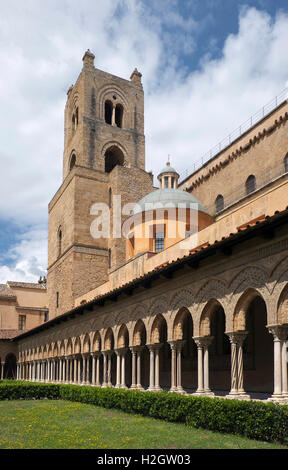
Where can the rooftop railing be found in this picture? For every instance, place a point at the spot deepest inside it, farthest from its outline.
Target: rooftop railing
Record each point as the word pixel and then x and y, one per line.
pixel 254 119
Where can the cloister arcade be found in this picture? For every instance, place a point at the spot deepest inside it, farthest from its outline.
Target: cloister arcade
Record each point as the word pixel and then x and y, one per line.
pixel 206 350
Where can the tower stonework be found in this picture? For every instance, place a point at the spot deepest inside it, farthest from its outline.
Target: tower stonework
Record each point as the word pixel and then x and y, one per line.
pixel 104 156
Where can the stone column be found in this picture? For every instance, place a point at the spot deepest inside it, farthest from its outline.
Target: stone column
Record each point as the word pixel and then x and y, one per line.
pixel 118 368
pixel 139 352
pixel 179 346
pixel 136 367
pixel 207 340
pixel 87 381
pixel 98 370
pixel 104 384
pixel 284 370
pixel 83 369
pixel 93 368
pixel 134 356
pixel 123 368
pixel 173 365
pixel 109 370
pixel 113 116
pixel 280 333
pixel 200 388
pixel 152 369
pixel 75 370
pixel 157 368
pixel 65 359
pixel 234 369
pixel 237 381
pixel 79 370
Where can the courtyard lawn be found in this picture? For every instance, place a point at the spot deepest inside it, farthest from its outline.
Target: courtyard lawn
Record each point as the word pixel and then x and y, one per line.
pixel 47 424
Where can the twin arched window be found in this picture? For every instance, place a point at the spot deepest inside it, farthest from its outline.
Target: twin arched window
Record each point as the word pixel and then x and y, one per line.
pixel 113 116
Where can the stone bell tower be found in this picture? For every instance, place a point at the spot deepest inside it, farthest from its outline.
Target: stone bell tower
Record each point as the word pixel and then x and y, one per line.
pixel 104 157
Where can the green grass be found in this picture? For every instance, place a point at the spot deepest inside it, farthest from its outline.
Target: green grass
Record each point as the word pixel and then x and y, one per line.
pixel 47 424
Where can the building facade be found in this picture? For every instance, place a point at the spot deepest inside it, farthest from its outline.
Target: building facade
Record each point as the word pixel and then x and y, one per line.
pixel 205 313
pixel 23 306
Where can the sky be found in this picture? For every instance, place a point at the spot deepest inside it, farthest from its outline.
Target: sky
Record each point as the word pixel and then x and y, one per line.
pixel 207 65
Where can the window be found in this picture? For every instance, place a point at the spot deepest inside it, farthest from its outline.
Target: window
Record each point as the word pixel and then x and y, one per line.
pixel 59 241
pixel 286 163
pixel 113 156
pixel 110 198
pixel 108 112
pixel 22 322
pixel 109 258
pixel 219 203
pixel 166 181
pixel 57 299
pixel 75 119
pixel 159 241
pixel 118 115
pixel 46 316
pixel 250 184
pixel 72 161
pixel 172 182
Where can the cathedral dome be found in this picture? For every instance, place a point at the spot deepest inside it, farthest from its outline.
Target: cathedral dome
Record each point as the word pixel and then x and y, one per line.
pixel 167 198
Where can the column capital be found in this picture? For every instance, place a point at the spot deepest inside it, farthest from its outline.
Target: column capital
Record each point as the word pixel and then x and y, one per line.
pixel 203 341
pixel 121 351
pixel 177 344
pixel 96 353
pixel 279 332
pixel 136 348
pixel 154 347
pixel 108 352
pixel 237 337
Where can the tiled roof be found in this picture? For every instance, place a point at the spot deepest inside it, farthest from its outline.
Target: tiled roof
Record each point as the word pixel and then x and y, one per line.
pixel 9 334
pixel 5 291
pixel 29 285
pixel 278 218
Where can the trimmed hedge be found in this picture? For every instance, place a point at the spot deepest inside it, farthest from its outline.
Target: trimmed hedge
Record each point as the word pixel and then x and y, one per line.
pixel 253 419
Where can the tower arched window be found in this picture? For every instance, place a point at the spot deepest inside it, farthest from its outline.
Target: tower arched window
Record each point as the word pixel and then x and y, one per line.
pixel 72 161
pixel 113 156
pixel 286 163
pixel 59 241
pixel 219 203
pixel 75 119
pixel 250 184
pixel 110 198
pixel 119 115
pixel 108 112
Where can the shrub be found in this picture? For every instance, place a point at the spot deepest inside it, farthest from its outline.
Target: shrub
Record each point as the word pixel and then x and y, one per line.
pixel 253 419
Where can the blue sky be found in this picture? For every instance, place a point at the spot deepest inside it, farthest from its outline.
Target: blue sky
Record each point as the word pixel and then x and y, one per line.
pixel 207 65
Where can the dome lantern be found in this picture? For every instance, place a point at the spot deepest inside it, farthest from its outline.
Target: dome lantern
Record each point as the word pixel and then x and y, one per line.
pixel 168 177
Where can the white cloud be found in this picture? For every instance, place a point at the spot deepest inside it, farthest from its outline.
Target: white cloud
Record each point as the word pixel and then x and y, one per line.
pixel 186 111
pixel 29 257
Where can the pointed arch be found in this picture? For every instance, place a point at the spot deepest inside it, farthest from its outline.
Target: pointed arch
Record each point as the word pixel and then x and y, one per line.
pixel 139 334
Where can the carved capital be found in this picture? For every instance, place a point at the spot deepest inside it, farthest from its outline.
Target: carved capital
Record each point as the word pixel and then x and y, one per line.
pixel 237 337
pixel 279 332
pixel 203 341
